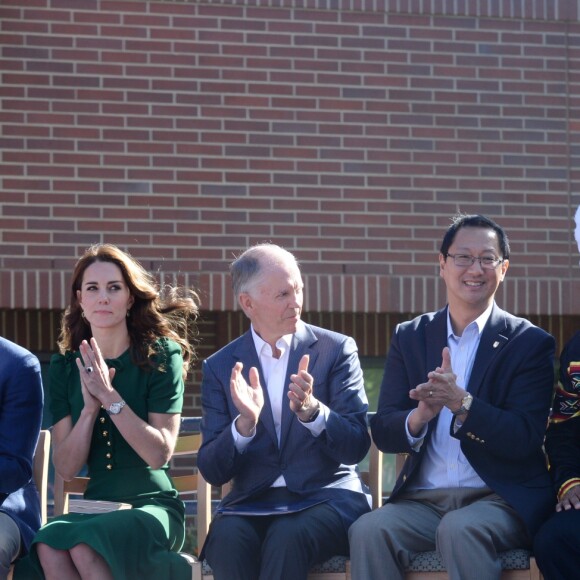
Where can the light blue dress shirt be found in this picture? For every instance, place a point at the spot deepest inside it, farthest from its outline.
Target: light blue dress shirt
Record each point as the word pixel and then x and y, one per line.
pixel 444 464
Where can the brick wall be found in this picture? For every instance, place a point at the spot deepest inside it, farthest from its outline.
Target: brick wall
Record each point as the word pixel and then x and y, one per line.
pixel 348 131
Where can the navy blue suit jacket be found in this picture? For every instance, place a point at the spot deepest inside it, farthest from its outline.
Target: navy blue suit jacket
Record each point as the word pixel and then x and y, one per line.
pixel 512 384
pixel 322 467
pixel 21 401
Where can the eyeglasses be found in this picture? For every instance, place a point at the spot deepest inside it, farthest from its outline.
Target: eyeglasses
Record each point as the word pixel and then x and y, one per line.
pixel 465 260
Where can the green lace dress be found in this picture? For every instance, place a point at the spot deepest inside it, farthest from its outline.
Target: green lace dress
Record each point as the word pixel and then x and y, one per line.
pixel 139 543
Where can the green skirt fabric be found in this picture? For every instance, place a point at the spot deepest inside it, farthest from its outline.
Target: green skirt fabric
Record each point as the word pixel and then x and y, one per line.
pixel 136 543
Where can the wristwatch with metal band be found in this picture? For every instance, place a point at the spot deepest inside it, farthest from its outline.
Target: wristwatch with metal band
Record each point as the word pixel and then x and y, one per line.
pixel 115 408
pixel 465 405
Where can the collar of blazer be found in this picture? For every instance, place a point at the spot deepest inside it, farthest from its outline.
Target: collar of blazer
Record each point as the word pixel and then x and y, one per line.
pixel 493 338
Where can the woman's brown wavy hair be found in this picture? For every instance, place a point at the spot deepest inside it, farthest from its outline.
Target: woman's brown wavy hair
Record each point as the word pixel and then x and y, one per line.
pixel 167 313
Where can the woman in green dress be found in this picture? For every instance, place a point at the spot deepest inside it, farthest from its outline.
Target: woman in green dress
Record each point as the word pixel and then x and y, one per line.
pixel 116 397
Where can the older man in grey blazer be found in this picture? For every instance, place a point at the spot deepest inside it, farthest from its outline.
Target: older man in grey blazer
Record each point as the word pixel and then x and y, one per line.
pixel 284 417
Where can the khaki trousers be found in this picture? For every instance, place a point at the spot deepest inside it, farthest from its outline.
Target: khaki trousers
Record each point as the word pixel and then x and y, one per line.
pixel 467 526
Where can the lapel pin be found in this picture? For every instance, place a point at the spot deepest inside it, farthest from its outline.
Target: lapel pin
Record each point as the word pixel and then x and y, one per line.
pixel 495 344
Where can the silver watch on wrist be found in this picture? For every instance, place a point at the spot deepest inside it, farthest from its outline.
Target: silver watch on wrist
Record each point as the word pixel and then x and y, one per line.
pixel 115 408
pixel 465 405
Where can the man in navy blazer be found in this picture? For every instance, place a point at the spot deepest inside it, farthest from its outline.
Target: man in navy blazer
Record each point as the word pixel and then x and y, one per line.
pixel 466 394
pixel 21 401
pixel 284 418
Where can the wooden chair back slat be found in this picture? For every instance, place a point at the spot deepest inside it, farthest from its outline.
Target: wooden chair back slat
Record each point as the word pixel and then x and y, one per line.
pixel 40 468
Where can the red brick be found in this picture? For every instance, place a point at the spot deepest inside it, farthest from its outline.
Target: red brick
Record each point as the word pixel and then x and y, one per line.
pixel 304 111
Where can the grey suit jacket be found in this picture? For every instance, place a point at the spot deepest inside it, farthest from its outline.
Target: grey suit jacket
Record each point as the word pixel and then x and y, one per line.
pixel 322 467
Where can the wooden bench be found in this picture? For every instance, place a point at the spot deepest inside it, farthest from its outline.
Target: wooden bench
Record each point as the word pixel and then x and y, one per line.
pixel 516 564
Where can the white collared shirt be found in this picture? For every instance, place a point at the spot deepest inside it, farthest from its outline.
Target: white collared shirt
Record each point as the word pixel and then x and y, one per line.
pixel 444 464
pixel 274 373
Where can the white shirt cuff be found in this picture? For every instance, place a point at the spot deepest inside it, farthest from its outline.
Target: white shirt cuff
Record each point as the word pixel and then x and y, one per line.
pixel 240 441
pixel 317 426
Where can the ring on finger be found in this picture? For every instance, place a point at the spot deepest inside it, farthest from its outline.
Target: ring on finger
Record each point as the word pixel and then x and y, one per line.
pixel 430 393
pixel 89 369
